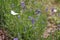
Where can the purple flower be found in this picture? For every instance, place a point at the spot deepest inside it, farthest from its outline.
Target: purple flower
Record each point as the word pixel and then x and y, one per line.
pixel 33 21
pixel 22 4
pixel 29 17
pixel 37 11
pixel 15 39
pixel 46 9
pixel 18 16
pixel 52 10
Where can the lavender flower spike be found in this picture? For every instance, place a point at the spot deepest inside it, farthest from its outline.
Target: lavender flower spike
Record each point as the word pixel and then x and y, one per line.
pixel 46 9
pixel 37 11
pixel 15 39
pixel 22 4
pixel 18 16
pixel 33 21
pixel 29 17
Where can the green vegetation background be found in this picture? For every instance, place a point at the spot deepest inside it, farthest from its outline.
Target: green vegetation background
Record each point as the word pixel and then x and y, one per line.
pixel 22 28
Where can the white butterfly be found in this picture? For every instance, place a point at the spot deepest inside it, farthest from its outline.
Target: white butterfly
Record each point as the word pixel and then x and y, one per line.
pixel 13 13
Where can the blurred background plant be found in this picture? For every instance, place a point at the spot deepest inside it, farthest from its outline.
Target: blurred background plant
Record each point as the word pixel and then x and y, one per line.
pixel 57 1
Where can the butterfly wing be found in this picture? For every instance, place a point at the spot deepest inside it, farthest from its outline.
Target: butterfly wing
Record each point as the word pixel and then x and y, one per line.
pixel 13 13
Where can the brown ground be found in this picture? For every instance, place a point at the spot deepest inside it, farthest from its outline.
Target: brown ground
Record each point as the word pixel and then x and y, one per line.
pixel 51 26
pixel 4 35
